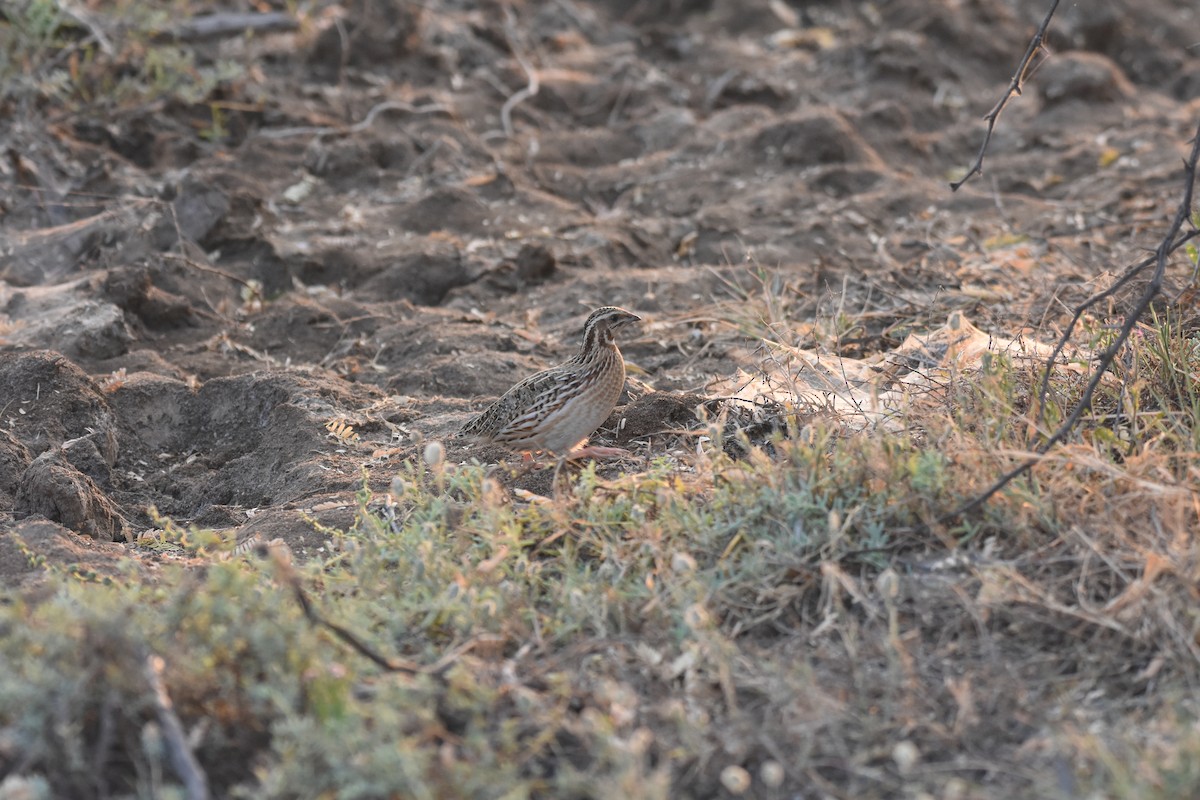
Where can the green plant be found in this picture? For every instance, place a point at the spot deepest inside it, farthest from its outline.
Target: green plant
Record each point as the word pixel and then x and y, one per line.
pixel 109 59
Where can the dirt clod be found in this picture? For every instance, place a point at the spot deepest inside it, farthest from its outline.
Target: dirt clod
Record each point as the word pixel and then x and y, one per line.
pixel 48 400
pixel 1084 78
pixel 52 487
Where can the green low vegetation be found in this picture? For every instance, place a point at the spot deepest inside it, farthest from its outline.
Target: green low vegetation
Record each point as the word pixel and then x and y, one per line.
pixel 62 59
pixel 796 617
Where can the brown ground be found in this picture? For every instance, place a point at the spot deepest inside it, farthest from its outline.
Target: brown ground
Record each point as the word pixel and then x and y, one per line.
pixel 181 316
pixel 189 314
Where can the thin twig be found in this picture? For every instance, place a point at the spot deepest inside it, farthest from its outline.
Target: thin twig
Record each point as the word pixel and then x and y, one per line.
pixel 86 19
pixel 358 127
pixel 532 85
pixel 104 742
pixel 1077 315
pixel 281 559
pixel 1014 87
pixel 224 24
pixel 339 25
pixel 1169 244
pixel 195 782
pixel 196 265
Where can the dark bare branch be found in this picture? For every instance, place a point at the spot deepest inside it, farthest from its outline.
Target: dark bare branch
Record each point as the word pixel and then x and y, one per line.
pixel 222 25
pixel 195 782
pixel 1014 87
pixel 281 559
pixel 1081 309
pixel 1172 241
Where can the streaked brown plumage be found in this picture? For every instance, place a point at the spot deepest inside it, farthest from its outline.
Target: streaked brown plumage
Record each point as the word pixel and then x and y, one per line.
pixel 557 409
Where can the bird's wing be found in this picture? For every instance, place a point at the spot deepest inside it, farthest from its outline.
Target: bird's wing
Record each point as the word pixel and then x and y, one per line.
pixel 516 402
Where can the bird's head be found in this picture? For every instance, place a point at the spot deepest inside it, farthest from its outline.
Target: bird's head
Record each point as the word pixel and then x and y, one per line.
pixel 603 323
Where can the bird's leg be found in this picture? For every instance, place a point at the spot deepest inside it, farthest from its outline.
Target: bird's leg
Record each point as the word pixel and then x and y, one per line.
pixel 554 480
pixel 529 462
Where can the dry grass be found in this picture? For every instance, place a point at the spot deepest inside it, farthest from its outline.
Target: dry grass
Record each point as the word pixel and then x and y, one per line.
pixel 793 620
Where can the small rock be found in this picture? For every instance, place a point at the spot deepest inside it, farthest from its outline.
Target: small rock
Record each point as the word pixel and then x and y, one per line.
pixel 1089 77
pixel 197 209
pixel 447 208
pixel 810 139
pixel 131 289
pixel 56 490
pixel 423 277
pixel 93 457
pixel 534 263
